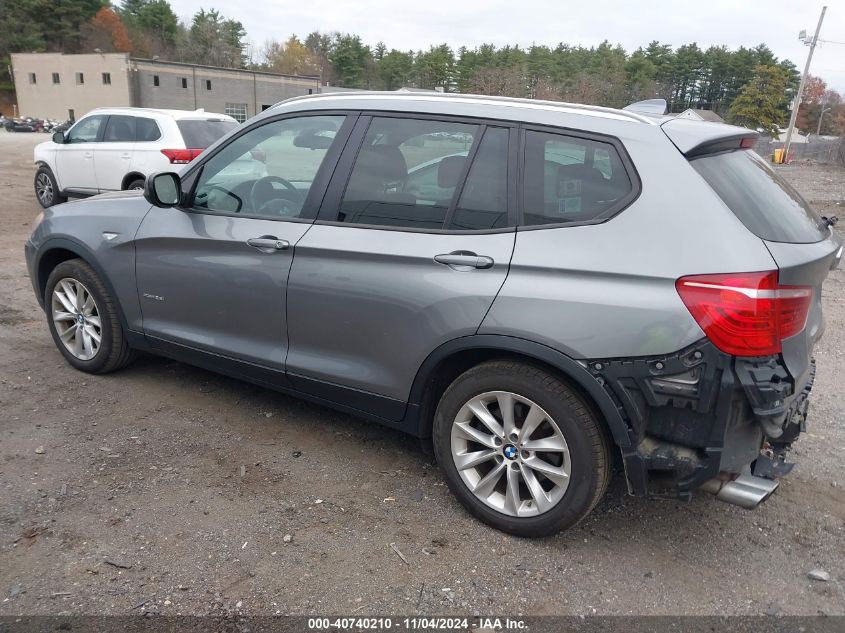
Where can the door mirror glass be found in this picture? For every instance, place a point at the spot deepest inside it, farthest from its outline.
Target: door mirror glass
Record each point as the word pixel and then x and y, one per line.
pixel 59 137
pixel 163 189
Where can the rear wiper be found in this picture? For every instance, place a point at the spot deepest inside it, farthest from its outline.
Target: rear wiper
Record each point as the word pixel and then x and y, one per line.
pixel 829 221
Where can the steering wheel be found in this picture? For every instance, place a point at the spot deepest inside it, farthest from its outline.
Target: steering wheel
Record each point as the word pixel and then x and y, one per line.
pixel 263 199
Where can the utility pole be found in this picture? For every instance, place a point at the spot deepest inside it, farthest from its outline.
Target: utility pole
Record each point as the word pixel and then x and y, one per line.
pixel 798 96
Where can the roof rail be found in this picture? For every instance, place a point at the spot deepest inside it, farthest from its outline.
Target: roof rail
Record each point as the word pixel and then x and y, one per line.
pixel 454 96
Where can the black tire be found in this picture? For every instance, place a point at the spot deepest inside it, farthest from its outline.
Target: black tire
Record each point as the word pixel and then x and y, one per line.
pixel 114 352
pixel 588 444
pixel 138 183
pixel 45 178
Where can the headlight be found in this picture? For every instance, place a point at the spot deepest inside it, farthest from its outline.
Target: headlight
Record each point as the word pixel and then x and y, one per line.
pixel 37 221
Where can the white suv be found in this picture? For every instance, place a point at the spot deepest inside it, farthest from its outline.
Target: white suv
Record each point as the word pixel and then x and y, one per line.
pixel 110 149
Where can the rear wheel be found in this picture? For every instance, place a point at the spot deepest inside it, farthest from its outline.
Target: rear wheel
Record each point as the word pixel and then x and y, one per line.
pixel 46 188
pixel 520 449
pixel 136 184
pixel 83 319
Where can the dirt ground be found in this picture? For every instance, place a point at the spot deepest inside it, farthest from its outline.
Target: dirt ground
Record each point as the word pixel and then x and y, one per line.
pixel 168 489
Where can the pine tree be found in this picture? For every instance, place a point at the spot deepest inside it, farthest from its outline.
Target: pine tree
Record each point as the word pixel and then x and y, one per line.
pixel 758 104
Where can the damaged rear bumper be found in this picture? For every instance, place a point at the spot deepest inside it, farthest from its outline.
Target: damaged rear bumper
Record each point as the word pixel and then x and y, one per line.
pixel 703 419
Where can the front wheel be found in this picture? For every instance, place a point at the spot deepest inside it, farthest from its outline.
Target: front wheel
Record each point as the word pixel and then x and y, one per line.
pixel 46 188
pixel 83 319
pixel 520 448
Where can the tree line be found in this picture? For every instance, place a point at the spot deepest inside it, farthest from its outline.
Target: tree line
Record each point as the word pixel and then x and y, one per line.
pixel 747 85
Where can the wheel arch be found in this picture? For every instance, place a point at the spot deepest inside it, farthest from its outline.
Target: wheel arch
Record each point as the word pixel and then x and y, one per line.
pixel 451 359
pixel 57 250
pixel 128 178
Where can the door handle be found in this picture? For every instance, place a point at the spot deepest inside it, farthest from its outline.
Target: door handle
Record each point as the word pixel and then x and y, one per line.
pixel 268 244
pixel 464 259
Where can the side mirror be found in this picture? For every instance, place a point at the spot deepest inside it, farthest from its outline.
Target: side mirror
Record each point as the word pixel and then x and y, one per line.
pixel 163 189
pixel 59 137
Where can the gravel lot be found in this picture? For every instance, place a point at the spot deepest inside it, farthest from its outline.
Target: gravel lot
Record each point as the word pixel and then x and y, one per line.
pixel 169 489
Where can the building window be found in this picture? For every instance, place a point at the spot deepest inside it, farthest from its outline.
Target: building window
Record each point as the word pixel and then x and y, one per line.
pixel 80 79
pixel 56 78
pixel 185 82
pixel 155 80
pixel 208 84
pixel 32 78
pixel 311 91
pixel 237 111
pixel 107 79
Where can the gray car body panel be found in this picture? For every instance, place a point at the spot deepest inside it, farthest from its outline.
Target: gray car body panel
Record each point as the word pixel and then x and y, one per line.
pixel 367 306
pixel 104 227
pixel 803 265
pixel 608 290
pixel 200 284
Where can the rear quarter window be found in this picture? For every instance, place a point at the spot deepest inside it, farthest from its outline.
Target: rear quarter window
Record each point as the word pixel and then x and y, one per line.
pixel 201 133
pixel 146 130
pixel 570 179
pixel 763 201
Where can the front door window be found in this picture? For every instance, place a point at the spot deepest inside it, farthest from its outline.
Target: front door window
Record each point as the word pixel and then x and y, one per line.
pixel 86 131
pixel 268 171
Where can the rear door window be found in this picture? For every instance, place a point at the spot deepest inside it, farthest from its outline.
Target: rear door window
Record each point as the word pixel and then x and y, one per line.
pixel 407 172
pixel 484 202
pixel 120 129
pixel 201 133
pixel 569 179
pixel 762 200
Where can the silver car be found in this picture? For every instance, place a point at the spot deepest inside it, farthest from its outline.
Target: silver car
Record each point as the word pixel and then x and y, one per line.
pixel 545 292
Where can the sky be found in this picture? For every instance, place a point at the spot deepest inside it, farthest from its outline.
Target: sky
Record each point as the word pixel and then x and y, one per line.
pixel 632 23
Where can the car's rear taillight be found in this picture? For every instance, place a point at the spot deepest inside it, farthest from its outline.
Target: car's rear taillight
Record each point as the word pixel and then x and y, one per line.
pixel 181 156
pixel 746 314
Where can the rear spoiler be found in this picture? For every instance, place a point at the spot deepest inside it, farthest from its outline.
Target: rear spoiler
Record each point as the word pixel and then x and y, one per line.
pixel 696 138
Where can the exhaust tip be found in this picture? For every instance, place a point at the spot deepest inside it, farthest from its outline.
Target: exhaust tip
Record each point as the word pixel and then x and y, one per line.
pixel 746 491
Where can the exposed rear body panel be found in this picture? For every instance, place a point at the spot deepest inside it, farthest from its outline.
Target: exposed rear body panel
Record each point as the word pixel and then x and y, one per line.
pixel 805 265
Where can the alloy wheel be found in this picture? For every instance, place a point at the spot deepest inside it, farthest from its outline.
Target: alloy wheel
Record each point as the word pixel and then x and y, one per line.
pixel 76 318
pixel 44 188
pixel 510 454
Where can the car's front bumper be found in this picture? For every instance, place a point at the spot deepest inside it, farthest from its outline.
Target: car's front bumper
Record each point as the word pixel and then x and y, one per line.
pixel 29 252
pixel 700 415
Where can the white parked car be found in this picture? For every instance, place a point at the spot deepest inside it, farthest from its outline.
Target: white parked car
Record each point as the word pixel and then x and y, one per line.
pixel 110 149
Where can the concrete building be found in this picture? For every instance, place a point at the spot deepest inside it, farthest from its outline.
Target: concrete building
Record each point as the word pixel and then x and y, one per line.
pixel 58 86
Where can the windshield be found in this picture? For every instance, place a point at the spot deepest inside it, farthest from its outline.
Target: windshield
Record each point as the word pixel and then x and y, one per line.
pixel 762 200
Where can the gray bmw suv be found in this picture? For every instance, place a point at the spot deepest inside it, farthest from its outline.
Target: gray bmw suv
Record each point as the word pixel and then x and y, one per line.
pixel 545 292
